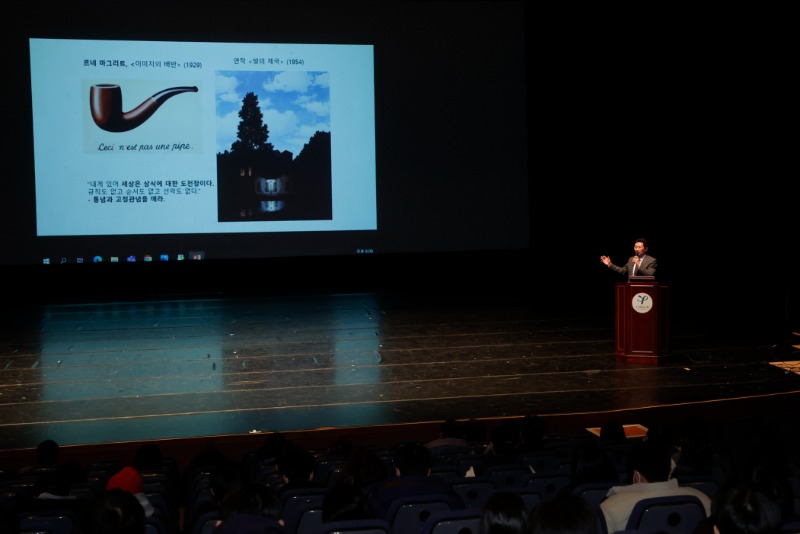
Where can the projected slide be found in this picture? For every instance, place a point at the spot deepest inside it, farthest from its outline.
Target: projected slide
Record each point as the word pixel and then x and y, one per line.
pixel 143 137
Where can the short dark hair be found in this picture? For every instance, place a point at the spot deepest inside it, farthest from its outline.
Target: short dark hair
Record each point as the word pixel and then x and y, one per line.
pixel 47 452
pixel 742 509
pixel 116 512
pixel 652 459
pixel 567 513
pixel 412 459
pixel 504 511
pixel 295 463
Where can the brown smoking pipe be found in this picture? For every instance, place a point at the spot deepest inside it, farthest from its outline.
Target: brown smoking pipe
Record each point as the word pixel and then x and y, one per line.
pixel 105 100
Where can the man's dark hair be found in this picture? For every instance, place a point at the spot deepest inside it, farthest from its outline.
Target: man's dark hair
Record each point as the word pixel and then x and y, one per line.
pixel 413 459
pixel 47 452
pixel 452 429
pixel 116 512
pixel 652 459
pixel 295 463
pixel 742 509
pixel 565 514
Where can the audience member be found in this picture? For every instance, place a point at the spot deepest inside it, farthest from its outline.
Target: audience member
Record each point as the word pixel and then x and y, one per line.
pixel 650 464
pixel 224 480
pixel 199 467
pixel 250 509
pixel 663 435
pixel 216 476
pixel 117 511
pixel 477 435
pixel 296 468
pixel 148 458
pixel 412 476
pixel 696 450
pixel 259 465
pixel 128 479
pixel 565 514
pixel 615 442
pixel 451 436
pixel 344 501
pixel 591 463
pixel 47 457
pixel 272 446
pixel 51 491
pixel 503 441
pixel 9 516
pixel 364 468
pixel 767 472
pixel 612 431
pixel 504 513
pixel 743 509
pixel 531 434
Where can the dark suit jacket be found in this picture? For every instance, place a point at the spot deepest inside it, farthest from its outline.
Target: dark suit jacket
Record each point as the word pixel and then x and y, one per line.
pixel 648 267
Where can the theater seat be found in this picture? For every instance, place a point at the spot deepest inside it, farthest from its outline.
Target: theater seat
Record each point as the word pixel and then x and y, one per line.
pixel 674 514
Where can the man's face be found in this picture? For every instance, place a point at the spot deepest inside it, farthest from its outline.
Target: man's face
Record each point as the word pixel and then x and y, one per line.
pixel 639 248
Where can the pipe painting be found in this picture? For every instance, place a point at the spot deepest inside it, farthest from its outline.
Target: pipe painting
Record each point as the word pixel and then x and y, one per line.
pixel 105 100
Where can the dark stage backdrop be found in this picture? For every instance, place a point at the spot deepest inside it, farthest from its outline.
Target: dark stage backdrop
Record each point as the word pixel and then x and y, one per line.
pixel 668 125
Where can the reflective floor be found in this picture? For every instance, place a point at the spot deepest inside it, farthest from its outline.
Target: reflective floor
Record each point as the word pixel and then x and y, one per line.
pixel 94 373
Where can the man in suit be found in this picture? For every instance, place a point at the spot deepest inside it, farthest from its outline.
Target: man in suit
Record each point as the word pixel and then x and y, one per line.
pixel 640 264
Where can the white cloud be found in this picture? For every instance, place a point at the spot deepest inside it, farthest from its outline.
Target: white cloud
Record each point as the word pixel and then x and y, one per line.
pixel 290 81
pixel 226 89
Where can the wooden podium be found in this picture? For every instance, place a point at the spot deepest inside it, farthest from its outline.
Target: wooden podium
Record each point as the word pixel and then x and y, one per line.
pixel 642 322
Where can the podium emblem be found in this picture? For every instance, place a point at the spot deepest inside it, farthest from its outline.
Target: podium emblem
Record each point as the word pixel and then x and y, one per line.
pixel 642 302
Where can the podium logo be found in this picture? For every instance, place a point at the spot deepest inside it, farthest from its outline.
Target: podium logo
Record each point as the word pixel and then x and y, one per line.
pixel 642 303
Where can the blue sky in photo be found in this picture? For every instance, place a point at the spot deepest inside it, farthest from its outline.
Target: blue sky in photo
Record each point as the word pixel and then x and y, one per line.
pixel 295 105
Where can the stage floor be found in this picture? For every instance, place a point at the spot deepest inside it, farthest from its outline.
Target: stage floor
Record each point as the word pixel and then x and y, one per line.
pixel 110 372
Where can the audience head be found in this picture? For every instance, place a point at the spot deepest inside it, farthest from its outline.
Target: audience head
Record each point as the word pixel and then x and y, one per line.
pixel 128 479
pixel 767 473
pixel 504 513
pixel 60 480
pixel 116 512
pixel 591 463
pixel 251 499
pixel 340 448
pixel 565 514
pixel 696 448
pixel 661 433
pixel 649 461
pixel 742 509
pixel 345 501
pixel 148 458
pixel 364 467
pixel 451 428
pixel 612 431
pixel 504 438
pixel 272 446
pixel 47 453
pixel 412 459
pixel 475 431
pixel 532 430
pixel 224 479
pixel 295 464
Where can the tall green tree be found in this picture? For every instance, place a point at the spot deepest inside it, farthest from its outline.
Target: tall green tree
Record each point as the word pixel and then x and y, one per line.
pixel 252 132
